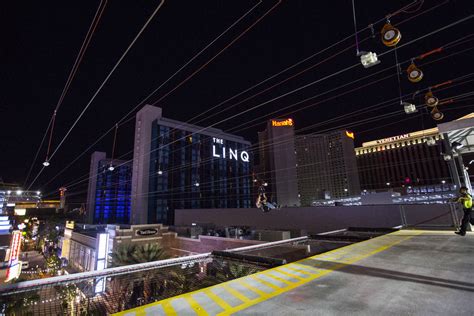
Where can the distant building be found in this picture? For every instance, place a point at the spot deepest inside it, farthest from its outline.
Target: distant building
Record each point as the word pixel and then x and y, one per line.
pixel 326 166
pixel 183 166
pixel 108 197
pixel 412 159
pixel 278 161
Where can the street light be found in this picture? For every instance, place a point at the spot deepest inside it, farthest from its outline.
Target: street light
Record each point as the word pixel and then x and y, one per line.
pixel 19 192
pixel 388 183
pixel 160 172
pixel 443 181
pixel 46 163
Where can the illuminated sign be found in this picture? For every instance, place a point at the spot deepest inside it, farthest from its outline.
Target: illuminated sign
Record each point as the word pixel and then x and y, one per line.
pixel 101 260
pixel 287 122
pixel 147 232
pixel 227 153
pixel 350 134
pixel 14 267
pixel 20 211
pixel 392 139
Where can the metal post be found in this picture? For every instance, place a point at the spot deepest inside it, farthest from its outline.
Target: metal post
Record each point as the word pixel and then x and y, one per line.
pixel 453 171
pixel 454 217
pixel 403 216
pixel 465 174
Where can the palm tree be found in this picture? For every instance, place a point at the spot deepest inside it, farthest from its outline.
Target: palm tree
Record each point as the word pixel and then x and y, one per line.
pixel 149 253
pixel 123 255
pixel 129 254
pixel 226 271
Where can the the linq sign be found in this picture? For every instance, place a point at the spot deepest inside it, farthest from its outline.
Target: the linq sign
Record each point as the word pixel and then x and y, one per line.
pixel 220 151
pixel 147 232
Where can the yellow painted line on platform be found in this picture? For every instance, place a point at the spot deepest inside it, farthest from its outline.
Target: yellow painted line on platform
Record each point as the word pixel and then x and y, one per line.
pixel 252 288
pixel 316 270
pixel 277 278
pixel 356 252
pixel 219 301
pixel 298 270
pixel 294 276
pixel 200 311
pixel 271 285
pixel 235 293
pixel 295 285
pixel 167 308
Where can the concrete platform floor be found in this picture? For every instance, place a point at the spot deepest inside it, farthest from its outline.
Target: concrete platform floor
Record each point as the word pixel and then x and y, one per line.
pixel 404 273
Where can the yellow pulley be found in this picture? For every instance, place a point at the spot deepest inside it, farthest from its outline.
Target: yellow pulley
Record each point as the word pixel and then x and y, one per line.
pixel 414 73
pixel 436 114
pixel 431 100
pixel 390 35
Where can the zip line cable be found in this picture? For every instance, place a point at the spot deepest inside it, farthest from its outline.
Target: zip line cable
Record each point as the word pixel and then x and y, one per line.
pixel 341 71
pixel 416 163
pixel 294 65
pixel 430 62
pixel 123 120
pixel 337 88
pixel 220 52
pixel 191 60
pixel 101 86
pixel 277 142
pixel 248 12
pixel 291 77
pixel 82 50
pixel 109 75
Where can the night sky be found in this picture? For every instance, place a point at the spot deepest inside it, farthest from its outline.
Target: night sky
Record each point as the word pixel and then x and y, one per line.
pixel 40 41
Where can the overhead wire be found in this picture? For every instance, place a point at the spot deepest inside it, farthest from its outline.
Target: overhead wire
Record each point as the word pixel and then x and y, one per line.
pixel 101 86
pixel 269 78
pixel 273 76
pixel 72 73
pixel 279 142
pixel 195 72
pixel 424 36
pixel 350 67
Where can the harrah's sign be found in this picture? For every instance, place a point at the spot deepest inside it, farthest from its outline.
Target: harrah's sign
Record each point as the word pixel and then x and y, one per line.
pixel 287 122
pixel 227 153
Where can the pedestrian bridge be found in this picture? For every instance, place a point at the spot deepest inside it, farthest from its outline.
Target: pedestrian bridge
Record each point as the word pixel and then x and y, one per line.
pixel 408 272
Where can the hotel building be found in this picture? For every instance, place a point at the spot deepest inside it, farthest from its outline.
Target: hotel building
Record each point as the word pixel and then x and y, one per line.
pixel 108 197
pixel 327 166
pixel 178 165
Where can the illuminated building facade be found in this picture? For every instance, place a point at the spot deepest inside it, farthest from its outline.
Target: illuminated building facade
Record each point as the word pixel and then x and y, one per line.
pixel 108 198
pixel 277 165
pixel 412 159
pixel 183 166
pixel 327 166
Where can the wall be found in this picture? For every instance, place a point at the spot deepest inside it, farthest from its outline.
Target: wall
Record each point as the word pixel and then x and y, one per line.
pixel 317 219
pixel 181 246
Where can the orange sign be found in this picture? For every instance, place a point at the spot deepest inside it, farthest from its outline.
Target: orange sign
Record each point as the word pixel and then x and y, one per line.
pixel 287 122
pixel 350 134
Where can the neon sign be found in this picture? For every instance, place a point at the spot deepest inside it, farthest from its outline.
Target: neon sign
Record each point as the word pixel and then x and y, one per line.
pixel 392 139
pixel 228 153
pixel 14 268
pixel 350 134
pixel 287 122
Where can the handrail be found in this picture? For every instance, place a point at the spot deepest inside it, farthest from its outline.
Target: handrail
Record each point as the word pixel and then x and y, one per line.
pixel 32 284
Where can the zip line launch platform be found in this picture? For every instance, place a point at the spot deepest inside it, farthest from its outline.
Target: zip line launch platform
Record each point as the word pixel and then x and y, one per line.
pixel 407 272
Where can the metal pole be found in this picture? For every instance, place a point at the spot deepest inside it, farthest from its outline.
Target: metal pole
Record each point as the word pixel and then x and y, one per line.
pixel 465 174
pixel 453 171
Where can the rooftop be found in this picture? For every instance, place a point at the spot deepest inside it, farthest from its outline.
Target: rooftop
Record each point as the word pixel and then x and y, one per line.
pixel 382 275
